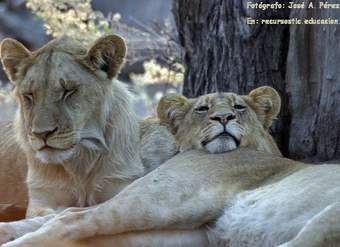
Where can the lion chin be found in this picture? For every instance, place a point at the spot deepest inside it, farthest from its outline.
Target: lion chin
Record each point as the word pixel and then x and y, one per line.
pixel 57 156
pixel 221 144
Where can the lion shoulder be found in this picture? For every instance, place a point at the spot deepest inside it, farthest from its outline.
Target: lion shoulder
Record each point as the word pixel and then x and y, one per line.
pixel 13 168
pixel 157 143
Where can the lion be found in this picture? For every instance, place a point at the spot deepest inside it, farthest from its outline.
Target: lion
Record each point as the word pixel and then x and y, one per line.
pixel 12 169
pixel 218 172
pixel 76 128
pixel 268 107
pixel 258 197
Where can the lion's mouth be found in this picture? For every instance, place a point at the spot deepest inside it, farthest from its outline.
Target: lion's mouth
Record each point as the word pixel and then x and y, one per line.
pixel 224 134
pixel 48 148
pixel 48 154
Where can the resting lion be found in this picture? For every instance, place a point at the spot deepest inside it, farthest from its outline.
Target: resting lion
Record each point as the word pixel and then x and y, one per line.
pixel 177 200
pixel 76 127
pixel 267 200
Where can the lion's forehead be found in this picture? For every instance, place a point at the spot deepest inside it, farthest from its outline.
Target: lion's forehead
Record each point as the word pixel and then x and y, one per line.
pixel 53 72
pixel 63 44
pixel 222 99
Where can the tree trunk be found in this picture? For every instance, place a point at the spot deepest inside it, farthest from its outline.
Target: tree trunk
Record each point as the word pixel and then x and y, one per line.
pixel 313 81
pixel 223 53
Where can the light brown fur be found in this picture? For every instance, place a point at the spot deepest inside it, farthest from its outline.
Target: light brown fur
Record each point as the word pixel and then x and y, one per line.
pixel 12 169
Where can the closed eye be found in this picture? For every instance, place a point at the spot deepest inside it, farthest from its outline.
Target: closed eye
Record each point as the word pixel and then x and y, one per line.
pixel 202 109
pixel 68 93
pixel 239 107
pixel 28 97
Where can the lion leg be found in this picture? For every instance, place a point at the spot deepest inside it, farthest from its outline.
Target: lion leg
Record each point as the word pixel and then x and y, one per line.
pixel 137 208
pixel 322 230
pixel 175 238
pixel 161 238
pixel 15 229
pixel 37 214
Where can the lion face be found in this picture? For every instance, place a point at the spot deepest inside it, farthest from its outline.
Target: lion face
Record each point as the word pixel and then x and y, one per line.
pixel 60 90
pixel 221 122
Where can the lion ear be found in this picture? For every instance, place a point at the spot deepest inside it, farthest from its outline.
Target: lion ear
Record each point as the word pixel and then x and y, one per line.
pixel 172 109
pixel 266 102
pixel 12 53
pixel 107 54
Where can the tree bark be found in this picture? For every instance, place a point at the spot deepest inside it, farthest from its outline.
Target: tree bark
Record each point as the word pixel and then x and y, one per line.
pixel 313 81
pixel 223 53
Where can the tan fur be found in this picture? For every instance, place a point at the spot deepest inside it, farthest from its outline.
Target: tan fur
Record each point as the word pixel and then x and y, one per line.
pixel 183 194
pixel 267 200
pixel 76 127
pixel 52 243
pixel 12 169
pixel 157 143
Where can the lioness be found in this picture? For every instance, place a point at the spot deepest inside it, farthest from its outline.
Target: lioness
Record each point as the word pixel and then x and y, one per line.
pixel 76 127
pixel 267 200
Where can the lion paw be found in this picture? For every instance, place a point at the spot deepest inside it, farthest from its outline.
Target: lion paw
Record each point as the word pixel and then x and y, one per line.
pixel 6 233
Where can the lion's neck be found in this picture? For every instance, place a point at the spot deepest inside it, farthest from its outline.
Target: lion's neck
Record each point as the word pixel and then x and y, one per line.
pixel 261 140
pixel 121 133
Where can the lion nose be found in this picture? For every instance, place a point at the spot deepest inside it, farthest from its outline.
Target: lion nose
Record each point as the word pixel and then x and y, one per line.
pixel 43 134
pixel 223 118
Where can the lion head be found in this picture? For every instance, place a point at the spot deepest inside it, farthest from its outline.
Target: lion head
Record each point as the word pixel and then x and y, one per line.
pixel 67 99
pixel 221 122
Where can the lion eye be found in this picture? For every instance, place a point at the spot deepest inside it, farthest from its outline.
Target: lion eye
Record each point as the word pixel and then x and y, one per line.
pixel 202 109
pixel 239 107
pixel 28 97
pixel 68 93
